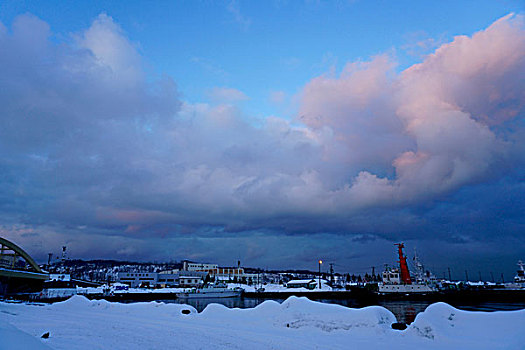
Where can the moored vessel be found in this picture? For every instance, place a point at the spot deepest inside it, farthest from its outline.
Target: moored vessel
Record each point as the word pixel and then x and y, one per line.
pixel 399 281
pixel 520 275
pixel 217 290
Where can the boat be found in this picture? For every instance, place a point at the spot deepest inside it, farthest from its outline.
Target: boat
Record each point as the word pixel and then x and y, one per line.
pixel 399 281
pixel 217 290
pixel 58 287
pixel 520 276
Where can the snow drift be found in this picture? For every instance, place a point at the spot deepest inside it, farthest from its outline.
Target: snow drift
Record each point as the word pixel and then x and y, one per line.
pixel 297 323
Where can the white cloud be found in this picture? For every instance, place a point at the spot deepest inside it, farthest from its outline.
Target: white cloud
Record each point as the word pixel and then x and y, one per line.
pixel 85 133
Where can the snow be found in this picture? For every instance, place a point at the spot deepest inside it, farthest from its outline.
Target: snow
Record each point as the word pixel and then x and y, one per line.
pixel 297 323
pixel 13 338
pixel 301 281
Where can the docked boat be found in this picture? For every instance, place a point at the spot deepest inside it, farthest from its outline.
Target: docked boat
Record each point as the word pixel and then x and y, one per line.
pixel 399 281
pixel 58 287
pixel 520 275
pixel 218 290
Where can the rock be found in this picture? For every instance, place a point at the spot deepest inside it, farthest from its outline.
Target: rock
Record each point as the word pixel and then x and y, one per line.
pixel 45 335
pixel 400 326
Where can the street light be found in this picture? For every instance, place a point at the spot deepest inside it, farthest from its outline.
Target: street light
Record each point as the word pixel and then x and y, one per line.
pixel 320 262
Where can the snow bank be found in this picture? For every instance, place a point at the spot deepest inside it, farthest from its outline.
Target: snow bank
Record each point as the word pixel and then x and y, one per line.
pixel 301 312
pixel 78 303
pixel 443 323
pixel 297 323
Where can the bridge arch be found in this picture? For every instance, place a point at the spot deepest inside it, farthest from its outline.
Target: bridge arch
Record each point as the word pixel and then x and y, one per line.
pixel 13 252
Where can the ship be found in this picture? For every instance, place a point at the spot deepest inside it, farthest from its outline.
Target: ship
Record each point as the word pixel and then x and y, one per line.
pixel 399 281
pixel 217 290
pixel 520 276
pixel 58 287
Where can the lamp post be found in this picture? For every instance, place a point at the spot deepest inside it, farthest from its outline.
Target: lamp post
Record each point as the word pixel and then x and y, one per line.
pixel 320 262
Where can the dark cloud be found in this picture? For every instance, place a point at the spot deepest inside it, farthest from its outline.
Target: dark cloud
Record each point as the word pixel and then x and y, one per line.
pixel 97 154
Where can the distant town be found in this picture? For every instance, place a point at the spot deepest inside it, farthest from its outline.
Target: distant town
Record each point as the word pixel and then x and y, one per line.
pixel 192 274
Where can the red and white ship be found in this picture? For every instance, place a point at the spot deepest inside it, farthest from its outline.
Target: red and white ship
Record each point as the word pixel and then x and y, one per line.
pixel 398 280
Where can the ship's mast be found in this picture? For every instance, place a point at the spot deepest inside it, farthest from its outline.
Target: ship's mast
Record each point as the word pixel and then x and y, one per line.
pixel 405 274
pixel 420 271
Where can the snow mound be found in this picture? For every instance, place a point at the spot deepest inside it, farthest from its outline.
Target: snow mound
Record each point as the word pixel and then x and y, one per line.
pixel 442 322
pixel 300 312
pixel 78 303
pixel 75 301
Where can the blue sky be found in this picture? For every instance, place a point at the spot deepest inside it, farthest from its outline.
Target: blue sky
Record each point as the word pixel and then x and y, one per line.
pixel 272 132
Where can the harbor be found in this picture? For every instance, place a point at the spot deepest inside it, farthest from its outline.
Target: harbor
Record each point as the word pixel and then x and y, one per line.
pixel 262 175
pixel 404 292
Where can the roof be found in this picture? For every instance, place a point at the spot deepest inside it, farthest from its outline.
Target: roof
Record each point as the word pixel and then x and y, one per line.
pixel 312 280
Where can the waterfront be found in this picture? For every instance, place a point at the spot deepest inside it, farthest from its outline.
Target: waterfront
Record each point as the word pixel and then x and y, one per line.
pixel 404 310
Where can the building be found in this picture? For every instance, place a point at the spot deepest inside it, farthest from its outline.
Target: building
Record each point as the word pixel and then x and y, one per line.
pixel 154 279
pixel 308 284
pixel 168 280
pixel 192 266
pixel 190 281
pixel 221 273
pixel 138 279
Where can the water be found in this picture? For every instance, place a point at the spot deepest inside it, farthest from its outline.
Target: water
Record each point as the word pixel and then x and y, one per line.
pixel 404 310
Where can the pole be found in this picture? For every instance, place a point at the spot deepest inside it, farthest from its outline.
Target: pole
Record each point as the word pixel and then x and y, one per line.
pixel 466 275
pixel 49 256
pixel 320 262
pixel 492 276
pixel 449 278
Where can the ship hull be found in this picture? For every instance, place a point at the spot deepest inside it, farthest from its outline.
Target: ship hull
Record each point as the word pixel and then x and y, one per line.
pixel 208 295
pixel 204 294
pixel 404 288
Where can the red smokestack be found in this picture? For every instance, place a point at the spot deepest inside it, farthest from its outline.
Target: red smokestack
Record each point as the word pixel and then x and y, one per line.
pixel 405 275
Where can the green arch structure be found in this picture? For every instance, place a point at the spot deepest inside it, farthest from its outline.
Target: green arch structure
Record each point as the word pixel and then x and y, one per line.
pixel 18 252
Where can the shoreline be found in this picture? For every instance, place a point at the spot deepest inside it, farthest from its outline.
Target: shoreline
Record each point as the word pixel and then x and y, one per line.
pixel 357 294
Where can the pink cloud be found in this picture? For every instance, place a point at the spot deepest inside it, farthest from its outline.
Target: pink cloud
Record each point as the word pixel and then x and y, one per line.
pixel 436 123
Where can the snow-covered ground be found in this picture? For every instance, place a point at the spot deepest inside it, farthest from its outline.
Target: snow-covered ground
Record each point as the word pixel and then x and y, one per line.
pixel 297 323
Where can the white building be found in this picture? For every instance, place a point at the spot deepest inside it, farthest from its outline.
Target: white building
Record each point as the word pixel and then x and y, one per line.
pixel 192 266
pixel 138 279
pixel 154 279
pixel 190 281
pixel 220 273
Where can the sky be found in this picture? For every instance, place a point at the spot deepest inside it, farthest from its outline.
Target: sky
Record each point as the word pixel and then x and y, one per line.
pixel 276 133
